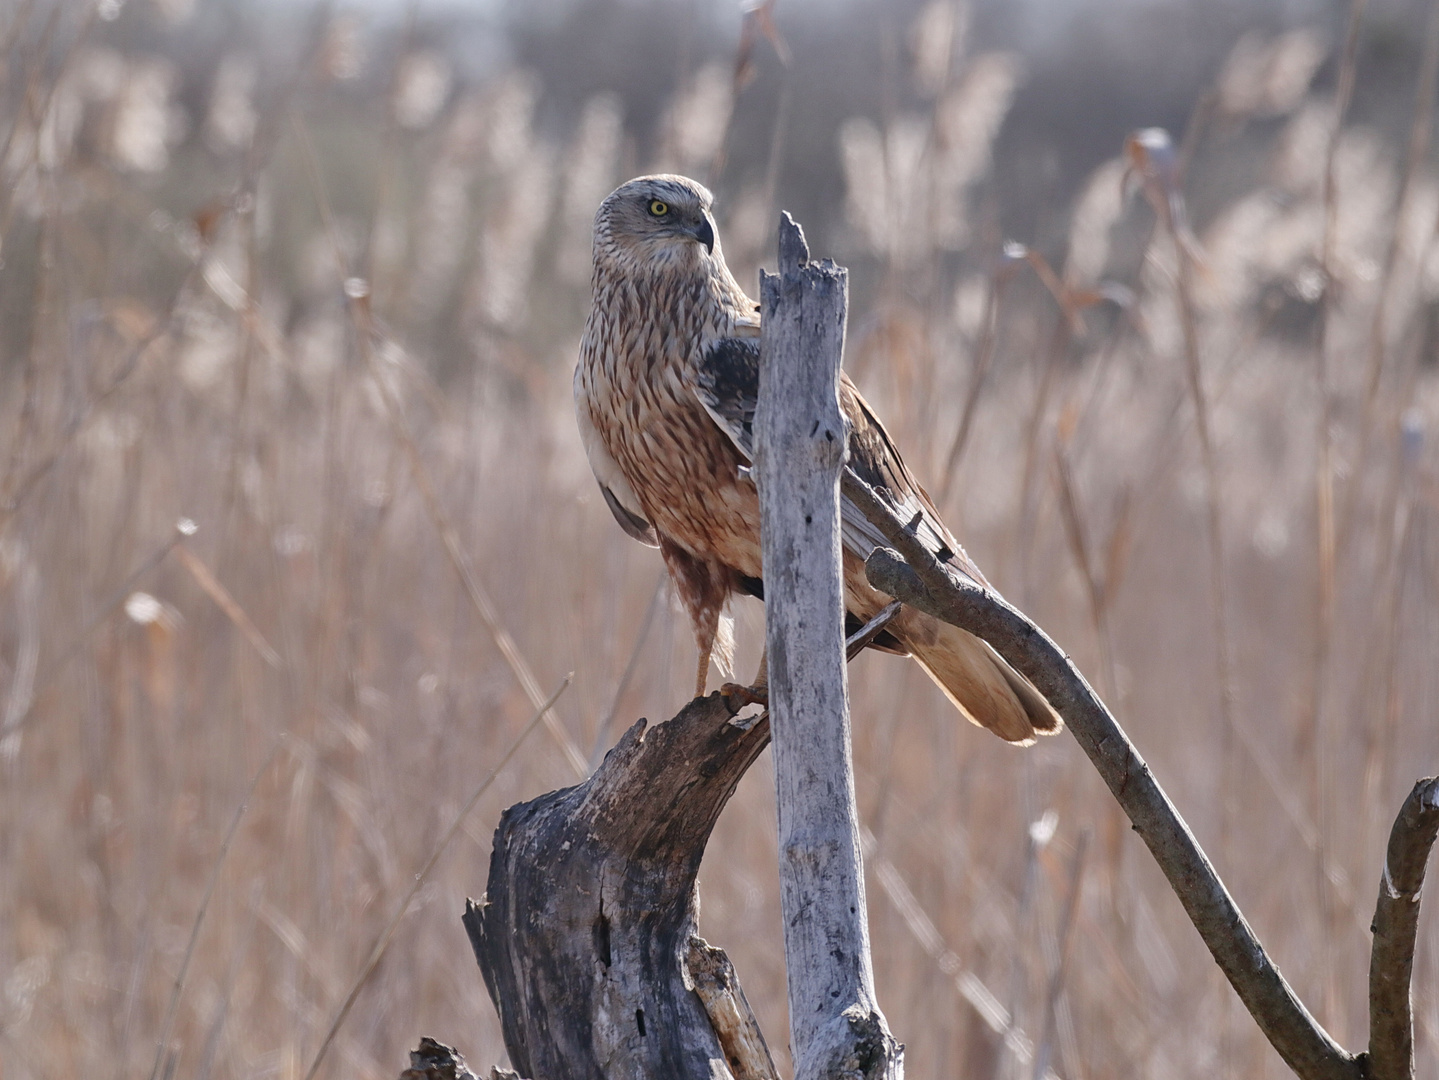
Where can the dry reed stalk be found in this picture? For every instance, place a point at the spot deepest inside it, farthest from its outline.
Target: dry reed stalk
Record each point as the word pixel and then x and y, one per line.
pixel 36 104
pixel 107 608
pixel 1055 989
pixel 1420 132
pixel 383 941
pixel 168 1025
pixel 226 603
pixel 14 487
pixel 1160 172
pixel 970 986
pixel 96 793
pixel 602 734
pixel 1035 430
pixel 386 168
pixel 995 283
pixel 365 332
pixel 1319 735
pixel 523 673
pixel 1099 589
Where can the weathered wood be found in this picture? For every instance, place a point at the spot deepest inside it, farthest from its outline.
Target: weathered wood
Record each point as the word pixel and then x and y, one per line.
pixel 836 1027
pixel 585 934
pixel 923 583
pixel 709 971
pixel 436 1061
pixel 1396 925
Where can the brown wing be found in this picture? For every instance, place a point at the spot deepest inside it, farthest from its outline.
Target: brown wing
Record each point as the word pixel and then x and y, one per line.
pixel 876 461
pixel 971 673
pixel 727 385
pixel 975 677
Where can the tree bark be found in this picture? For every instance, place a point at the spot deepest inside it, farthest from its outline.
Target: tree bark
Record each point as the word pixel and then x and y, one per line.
pixel 585 934
pixel 836 1027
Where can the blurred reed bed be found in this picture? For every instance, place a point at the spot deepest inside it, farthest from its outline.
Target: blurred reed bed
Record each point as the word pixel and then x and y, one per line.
pixel 315 286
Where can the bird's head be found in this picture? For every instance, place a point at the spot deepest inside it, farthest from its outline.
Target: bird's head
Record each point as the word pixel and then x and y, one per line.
pixel 655 221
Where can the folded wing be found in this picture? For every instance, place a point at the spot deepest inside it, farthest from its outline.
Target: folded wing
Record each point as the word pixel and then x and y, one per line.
pixel 727 385
pixel 974 677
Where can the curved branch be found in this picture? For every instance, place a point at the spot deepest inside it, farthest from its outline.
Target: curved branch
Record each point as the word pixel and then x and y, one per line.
pixel 924 583
pixel 1396 922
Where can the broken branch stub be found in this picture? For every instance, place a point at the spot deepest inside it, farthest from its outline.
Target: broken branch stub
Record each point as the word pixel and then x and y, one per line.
pixel 1396 925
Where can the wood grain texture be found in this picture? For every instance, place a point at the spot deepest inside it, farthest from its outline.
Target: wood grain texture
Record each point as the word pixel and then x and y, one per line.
pixel 836 1027
pixel 586 930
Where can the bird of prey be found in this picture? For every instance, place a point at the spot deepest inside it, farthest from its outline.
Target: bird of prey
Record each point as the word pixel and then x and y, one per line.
pixel 665 393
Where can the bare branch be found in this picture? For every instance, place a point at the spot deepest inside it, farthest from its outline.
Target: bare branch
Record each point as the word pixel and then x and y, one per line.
pixel 836 1027
pixel 1396 921
pixel 1304 1045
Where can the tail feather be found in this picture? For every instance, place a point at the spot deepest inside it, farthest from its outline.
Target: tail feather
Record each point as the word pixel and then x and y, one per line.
pixel 982 686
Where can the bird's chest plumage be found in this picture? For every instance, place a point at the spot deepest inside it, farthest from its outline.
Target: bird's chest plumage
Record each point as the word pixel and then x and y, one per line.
pixel 636 378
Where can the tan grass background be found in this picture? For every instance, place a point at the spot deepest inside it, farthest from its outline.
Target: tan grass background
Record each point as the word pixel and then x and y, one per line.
pixel 280 285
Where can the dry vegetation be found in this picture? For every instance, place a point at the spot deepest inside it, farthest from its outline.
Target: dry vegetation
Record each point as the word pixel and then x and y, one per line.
pixel 318 290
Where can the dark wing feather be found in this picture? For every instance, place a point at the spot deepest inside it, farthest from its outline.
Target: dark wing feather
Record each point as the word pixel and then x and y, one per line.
pixel 727 385
pixel 630 522
pixel 876 461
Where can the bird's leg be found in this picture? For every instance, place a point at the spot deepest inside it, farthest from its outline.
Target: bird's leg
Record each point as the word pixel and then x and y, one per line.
pixel 757 693
pixel 702 588
pixel 702 675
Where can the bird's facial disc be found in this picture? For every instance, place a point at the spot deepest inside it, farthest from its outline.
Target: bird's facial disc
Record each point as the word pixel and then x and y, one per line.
pixel 662 217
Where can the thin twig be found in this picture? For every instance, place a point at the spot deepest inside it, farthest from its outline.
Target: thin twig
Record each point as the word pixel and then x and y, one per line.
pixel 366 330
pixel 383 941
pixel 857 642
pixel 174 1005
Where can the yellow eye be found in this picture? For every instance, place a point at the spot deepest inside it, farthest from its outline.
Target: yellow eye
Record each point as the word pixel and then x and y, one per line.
pixel 659 209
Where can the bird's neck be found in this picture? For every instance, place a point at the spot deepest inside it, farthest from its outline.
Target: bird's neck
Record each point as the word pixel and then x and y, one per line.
pixel 684 296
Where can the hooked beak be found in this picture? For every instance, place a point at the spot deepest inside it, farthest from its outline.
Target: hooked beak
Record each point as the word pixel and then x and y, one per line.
pixel 704 232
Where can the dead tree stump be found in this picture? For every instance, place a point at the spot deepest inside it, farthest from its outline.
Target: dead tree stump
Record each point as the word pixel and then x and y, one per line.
pixel 586 933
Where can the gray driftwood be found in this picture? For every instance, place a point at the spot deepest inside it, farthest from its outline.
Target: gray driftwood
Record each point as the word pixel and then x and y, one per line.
pixel 586 933
pixel 836 1027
